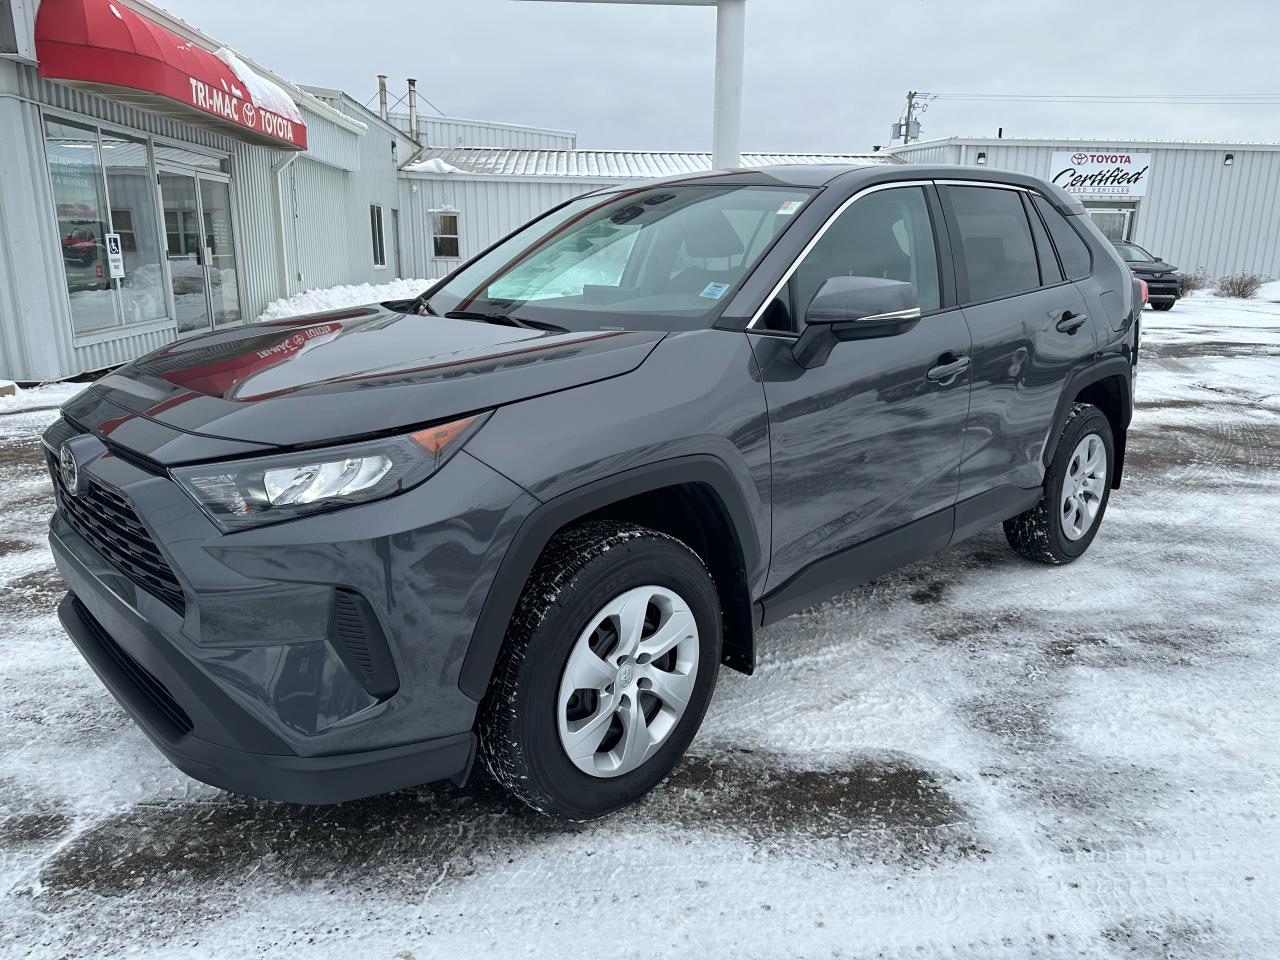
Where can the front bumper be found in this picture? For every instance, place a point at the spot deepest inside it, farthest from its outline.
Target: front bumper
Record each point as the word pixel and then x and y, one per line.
pixel 246 684
pixel 271 776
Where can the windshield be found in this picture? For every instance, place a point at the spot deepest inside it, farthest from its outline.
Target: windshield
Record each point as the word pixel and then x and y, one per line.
pixel 1133 253
pixel 662 258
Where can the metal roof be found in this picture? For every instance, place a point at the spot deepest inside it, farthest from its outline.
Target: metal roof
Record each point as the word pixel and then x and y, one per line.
pixel 1068 142
pixel 610 165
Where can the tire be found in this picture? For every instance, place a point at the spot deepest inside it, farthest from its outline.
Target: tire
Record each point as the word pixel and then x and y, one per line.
pixel 1163 305
pixel 1052 531
pixel 525 721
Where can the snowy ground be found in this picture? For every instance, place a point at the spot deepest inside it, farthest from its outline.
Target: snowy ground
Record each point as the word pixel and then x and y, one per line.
pixel 976 757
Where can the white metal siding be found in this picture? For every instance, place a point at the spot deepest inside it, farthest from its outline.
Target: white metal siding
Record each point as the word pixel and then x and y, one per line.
pixel 329 143
pixel 928 153
pixel 318 241
pixel 22 20
pixel 256 218
pixel 452 132
pixel 487 211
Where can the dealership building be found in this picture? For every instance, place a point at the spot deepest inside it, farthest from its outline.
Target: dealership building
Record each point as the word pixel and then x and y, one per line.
pixel 155 184
pixel 1212 207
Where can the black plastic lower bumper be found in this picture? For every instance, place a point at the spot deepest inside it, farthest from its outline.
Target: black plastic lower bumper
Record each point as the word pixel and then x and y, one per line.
pixel 284 777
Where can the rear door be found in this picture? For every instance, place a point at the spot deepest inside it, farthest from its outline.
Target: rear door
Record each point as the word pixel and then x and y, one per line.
pixel 1030 329
pixel 869 441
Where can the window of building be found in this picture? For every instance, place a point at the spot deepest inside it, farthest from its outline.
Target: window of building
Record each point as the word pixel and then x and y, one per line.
pixel 132 193
pixel 1072 250
pixel 80 200
pixel 998 255
pixel 444 236
pixel 379 236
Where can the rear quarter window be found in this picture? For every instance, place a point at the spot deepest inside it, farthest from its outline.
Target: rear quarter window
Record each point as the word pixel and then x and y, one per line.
pixel 1072 250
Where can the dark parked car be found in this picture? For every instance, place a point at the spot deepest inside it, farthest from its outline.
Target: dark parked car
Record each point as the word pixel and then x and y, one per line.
pixel 1164 283
pixel 528 515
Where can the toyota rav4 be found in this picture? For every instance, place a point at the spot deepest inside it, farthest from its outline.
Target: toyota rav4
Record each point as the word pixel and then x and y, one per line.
pixel 527 516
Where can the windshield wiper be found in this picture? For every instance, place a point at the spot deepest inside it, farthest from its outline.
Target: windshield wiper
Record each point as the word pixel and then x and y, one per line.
pixel 503 319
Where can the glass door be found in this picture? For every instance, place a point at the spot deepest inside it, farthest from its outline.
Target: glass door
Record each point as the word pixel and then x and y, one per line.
pixel 219 251
pixel 200 249
pixel 1112 221
pixel 181 200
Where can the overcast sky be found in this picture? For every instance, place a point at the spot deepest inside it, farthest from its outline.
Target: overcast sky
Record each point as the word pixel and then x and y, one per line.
pixel 821 75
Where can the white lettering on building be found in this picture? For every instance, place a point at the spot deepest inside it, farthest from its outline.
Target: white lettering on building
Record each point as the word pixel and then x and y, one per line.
pixel 233 108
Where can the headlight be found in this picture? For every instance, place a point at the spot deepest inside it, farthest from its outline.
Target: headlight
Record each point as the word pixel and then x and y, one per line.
pixel 246 493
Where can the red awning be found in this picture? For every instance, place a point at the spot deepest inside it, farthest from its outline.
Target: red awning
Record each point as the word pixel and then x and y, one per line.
pixel 103 44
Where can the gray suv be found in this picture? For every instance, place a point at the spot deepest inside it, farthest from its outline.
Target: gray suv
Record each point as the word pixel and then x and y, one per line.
pixel 528 515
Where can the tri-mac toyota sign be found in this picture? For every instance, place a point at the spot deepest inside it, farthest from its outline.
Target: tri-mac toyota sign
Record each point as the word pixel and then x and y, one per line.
pixel 1104 173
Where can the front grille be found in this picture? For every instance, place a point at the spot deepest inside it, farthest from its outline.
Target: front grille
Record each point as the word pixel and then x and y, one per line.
pixel 155 692
pixel 107 522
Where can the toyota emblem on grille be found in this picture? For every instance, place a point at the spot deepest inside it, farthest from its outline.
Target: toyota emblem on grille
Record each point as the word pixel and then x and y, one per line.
pixel 69 470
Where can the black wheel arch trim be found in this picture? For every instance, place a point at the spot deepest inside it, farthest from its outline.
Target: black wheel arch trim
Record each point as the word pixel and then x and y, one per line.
pixel 543 523
pixel 1102 370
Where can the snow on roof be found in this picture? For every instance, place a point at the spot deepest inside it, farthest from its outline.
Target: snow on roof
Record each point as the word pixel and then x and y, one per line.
pixel 609 164
pixel 263 91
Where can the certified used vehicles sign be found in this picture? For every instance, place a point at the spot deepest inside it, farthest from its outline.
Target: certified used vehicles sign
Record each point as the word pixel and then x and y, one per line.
pixel 1106 173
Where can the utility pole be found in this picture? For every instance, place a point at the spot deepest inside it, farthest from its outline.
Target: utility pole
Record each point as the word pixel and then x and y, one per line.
pixel 911 109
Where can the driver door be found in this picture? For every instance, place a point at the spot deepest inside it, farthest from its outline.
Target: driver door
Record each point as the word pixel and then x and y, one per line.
pixel 866 446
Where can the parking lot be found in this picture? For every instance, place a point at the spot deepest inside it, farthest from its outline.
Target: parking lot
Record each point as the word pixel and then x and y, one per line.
pixel 974 757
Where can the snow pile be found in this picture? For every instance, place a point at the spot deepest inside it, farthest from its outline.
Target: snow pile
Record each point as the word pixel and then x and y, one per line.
pixel 48 396
pixel 335 298
pixel 264 93
pixel 434 165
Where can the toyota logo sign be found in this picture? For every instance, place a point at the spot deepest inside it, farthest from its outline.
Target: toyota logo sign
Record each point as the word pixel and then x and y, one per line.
pixel 1080 158
pixel 69 470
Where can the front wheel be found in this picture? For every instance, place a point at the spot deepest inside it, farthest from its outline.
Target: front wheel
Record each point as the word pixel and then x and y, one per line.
pixel 1077 487
pixel 1163 305
pixel 608 668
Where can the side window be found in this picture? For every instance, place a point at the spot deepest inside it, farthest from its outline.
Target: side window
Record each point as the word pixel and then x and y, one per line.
pixel 886 234
pixel 995 240
pixel 1072 249
pixel 1050 272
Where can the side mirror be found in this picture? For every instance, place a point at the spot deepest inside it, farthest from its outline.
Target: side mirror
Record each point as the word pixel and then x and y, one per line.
pixel 855 308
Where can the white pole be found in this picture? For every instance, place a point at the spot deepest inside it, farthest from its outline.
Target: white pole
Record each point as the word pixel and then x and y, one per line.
pixel 731 36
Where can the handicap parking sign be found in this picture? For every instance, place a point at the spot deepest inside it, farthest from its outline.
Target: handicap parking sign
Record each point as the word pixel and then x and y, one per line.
pixel 115 256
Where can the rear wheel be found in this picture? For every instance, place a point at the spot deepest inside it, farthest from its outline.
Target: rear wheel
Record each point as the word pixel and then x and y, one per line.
pixel 607 670
pixel 1077 487
pixel 1162 305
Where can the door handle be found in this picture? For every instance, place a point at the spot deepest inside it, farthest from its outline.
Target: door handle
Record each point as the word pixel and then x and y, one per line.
pixel 948 366
pixel 1071 322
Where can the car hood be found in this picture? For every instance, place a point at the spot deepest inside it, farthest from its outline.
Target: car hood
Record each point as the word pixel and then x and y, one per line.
pixel 1142 269
pixel 342 374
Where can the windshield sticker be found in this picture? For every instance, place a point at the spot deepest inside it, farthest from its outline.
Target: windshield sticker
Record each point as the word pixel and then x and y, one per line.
pixel 714 291
pixel 789 207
